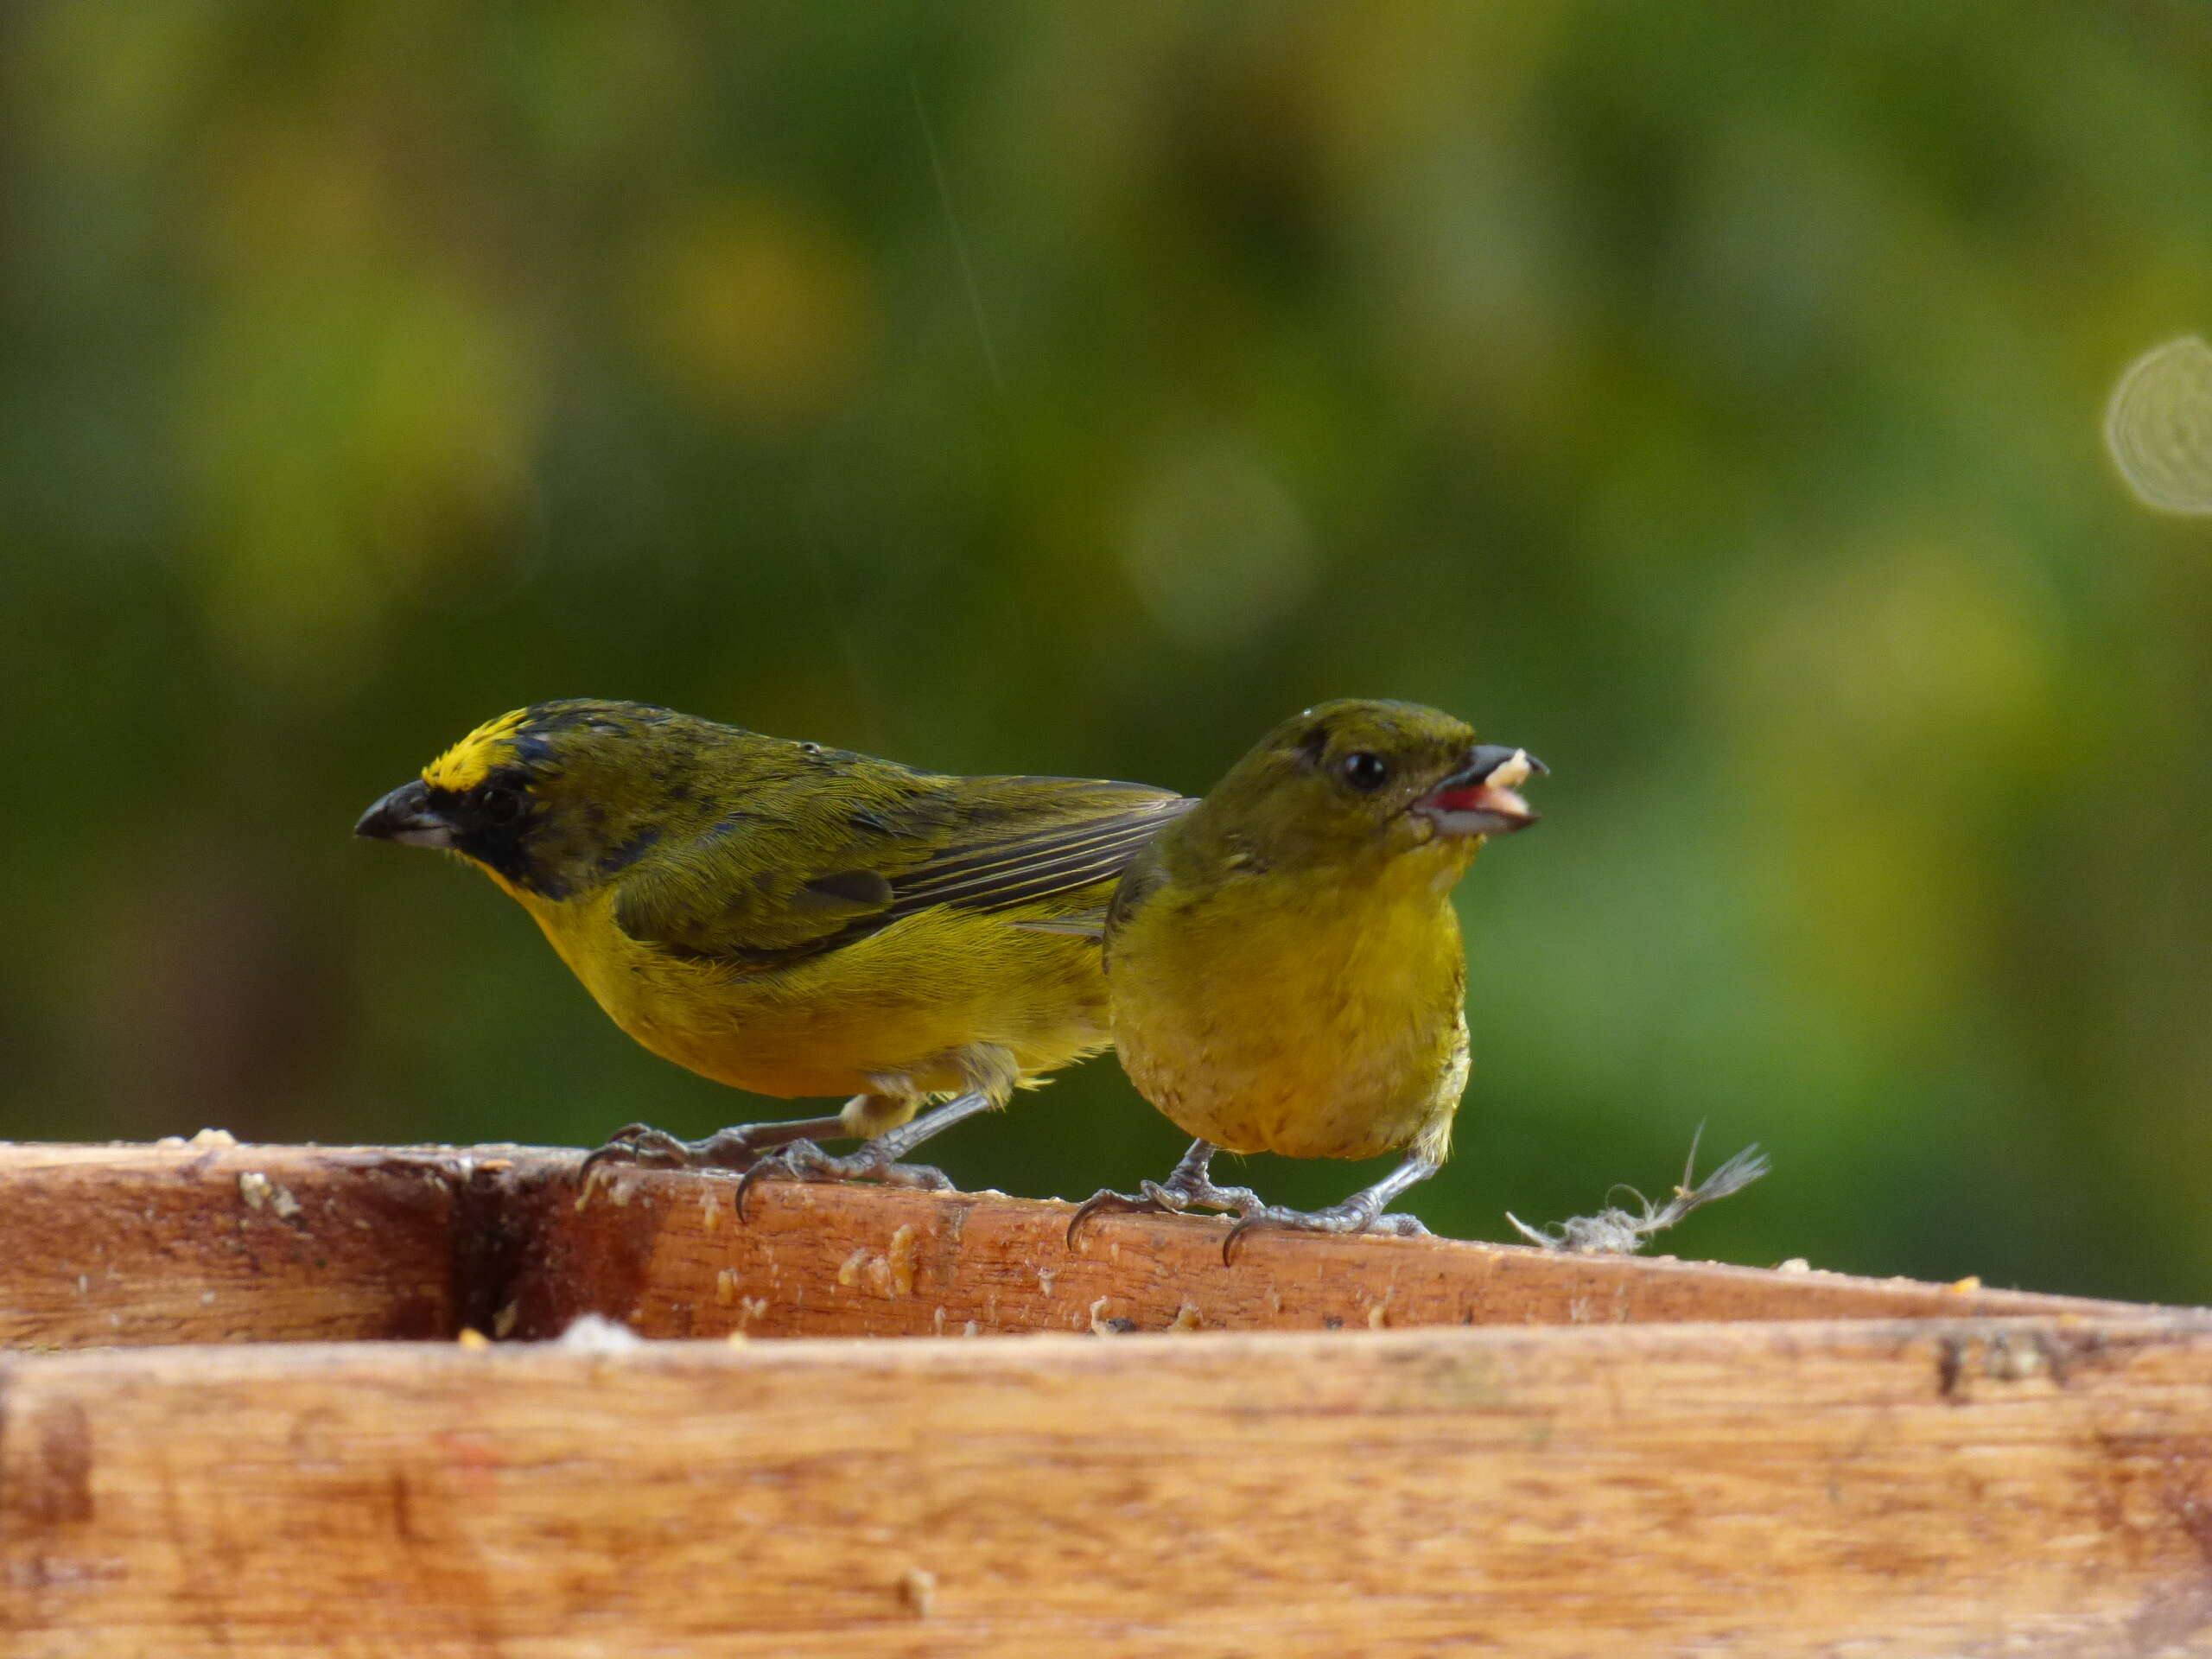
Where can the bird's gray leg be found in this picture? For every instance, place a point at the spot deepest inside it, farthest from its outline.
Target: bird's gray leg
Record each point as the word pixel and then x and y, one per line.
pixel 877 1159
pixel 1363 1213
pixel 991 1072
pixel 736 1147
pixel 1190 1183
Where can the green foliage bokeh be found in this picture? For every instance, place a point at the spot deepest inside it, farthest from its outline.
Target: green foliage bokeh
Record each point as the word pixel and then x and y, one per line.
pixel 1706 396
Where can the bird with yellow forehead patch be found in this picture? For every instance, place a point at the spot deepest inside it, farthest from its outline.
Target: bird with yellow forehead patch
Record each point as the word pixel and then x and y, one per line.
pixel 793 919
pixel 1284 963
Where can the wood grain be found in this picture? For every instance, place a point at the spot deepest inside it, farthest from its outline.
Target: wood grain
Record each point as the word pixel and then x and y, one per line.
pixel 1891 1488
pixel 103 1246
pixel 665 1254
pixel 1557 1464
pixel 146 1245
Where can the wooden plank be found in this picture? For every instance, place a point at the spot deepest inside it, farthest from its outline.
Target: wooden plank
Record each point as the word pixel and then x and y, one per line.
pixel 220 1242
pixel 1902 1488
pixel 664 1252
pixel 102 1246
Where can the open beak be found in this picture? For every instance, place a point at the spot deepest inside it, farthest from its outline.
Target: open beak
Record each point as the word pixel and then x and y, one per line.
pixel 405 816
pixel 1481 797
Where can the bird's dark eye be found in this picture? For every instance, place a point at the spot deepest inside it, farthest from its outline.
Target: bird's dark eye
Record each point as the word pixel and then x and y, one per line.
pixel 500 803
pixel 1364 771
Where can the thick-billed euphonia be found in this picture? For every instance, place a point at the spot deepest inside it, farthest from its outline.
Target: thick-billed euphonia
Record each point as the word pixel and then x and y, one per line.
pixel 1284 963
pixel 794 919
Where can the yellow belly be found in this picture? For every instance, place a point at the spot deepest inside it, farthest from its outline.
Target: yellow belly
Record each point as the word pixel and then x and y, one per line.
pixel 897 1003
pixel 1266 1016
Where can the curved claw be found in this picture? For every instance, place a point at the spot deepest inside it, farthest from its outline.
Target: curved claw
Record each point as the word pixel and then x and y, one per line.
pixel 619 1146
pixel 745 1184
pixel 1243 1225
pixel 796 1162
pixel 803 1161
pixel 1107 1201
pixel 637 1143
pixel 644 1145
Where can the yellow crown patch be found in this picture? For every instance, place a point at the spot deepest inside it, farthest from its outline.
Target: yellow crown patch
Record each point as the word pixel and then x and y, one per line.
pixel 468 762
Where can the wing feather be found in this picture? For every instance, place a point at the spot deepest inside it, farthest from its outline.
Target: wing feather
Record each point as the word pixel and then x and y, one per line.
pixel 1021 869
pixel 754 891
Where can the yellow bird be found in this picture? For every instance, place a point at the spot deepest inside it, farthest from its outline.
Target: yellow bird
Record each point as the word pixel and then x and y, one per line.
pixel 794 919
pixel 1284 965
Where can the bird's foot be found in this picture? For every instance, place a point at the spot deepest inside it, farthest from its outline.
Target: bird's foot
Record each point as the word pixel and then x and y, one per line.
pixel 739 1147
pixel 652 1148
pixel 1171 1196
pixel 1362 1214
pixel 803 1161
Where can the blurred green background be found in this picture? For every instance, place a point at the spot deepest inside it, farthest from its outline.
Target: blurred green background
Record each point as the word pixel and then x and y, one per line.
pixel 1706 396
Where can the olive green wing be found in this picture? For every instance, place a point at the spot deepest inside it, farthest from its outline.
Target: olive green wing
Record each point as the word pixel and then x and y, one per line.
pixel 1061 869
pixel 782 885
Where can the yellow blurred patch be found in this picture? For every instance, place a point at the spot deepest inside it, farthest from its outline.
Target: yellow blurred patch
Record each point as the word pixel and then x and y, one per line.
pixel 758 314
pixel 357 420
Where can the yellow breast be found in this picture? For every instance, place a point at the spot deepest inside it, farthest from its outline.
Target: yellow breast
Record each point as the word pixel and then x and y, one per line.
pixel 1284 1014
pixel 894 1003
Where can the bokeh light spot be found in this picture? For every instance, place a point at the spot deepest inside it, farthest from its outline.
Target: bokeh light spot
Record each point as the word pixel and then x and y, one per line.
pixel 1218 549
pixel 756 311
pixel 2159 426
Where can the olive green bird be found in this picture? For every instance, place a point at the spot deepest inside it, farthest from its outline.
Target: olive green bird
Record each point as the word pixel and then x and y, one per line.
pixel 1284 965
pixel 793 919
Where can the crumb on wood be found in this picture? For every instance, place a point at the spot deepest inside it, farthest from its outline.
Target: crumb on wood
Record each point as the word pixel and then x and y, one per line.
pixel 1045 1278
pixel 918 1588
pixel 260 1192
pixel 594 1333
pixel 726 1287
pixel 737 1338
pixel 1187 1317
pixel 710 1208
pixel 1616 1231
pixel 1105 1325
pixel 889 1275
pixel 2015 1358
pixel 1794 1264
pixel 1965 1287
pixel 214 1138
pixel 470 1337
pixel 900 1256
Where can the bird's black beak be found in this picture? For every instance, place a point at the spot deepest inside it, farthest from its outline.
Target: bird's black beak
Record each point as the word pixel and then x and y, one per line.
pixel 406 815
pixel 1482 798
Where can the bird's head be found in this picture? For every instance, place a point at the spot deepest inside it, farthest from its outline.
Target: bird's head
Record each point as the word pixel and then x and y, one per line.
pixel 1357 777
pixel 553 799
